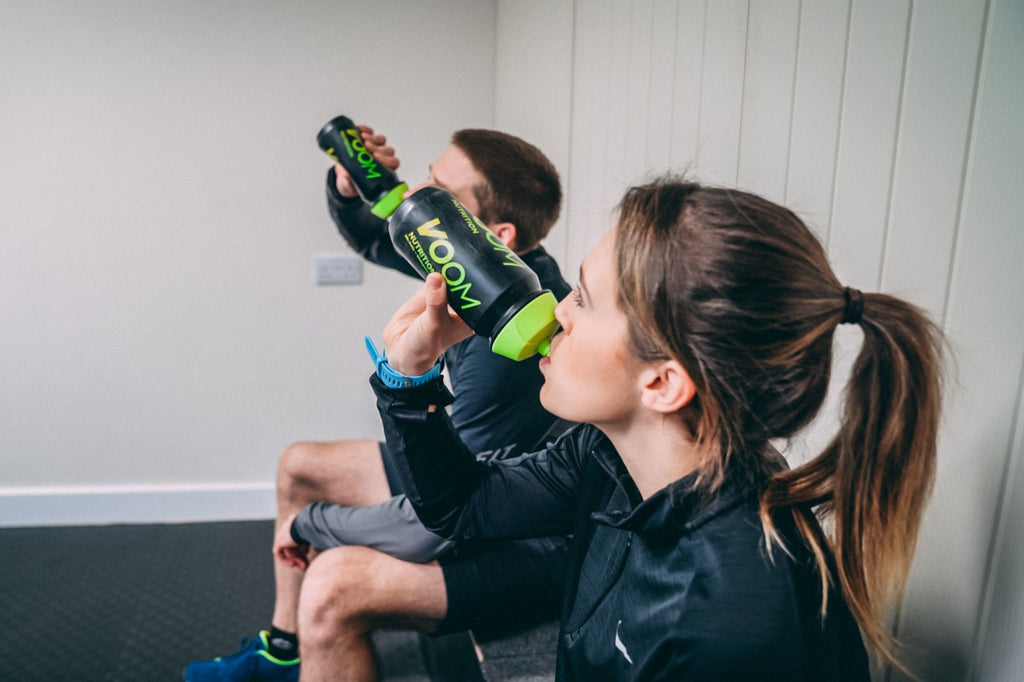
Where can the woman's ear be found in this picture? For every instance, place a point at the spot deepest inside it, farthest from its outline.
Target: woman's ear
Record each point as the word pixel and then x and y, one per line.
pixel 666 387
pixel 506 232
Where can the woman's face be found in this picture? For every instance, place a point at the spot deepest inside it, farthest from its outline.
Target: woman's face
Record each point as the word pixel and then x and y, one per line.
pixel 590 376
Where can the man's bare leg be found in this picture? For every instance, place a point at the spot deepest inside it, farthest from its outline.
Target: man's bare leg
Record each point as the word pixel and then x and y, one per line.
pixel 343 472
pixel 348 592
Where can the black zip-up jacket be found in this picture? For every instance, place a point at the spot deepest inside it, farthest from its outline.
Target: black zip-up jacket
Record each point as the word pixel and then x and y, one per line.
pixel 675 587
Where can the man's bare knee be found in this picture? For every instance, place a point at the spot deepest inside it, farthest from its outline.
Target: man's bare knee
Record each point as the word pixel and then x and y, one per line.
pixel 338 596
pixel 349 590
pixel 349 472
pixel 292 467
pixel 295 483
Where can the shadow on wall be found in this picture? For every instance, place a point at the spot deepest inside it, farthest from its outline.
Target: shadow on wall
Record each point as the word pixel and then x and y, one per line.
pixel 934 654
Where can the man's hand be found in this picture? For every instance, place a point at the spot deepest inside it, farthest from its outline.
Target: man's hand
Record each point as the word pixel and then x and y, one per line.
pixel 422 329
pixel 376 145
pixel 289 551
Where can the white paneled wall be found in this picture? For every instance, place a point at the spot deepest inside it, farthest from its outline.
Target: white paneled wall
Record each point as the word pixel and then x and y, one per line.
pixel 895 128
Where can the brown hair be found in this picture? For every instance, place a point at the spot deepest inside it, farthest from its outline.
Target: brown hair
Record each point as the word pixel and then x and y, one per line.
pixel 520 184
pixel 741 292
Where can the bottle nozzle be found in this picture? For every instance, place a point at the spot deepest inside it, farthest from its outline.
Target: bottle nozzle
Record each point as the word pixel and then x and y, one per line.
pixel 530 330
pixel 386 206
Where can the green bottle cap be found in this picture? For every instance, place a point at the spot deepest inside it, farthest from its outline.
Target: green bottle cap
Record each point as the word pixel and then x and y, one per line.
pixel 529 331
pixel 389 204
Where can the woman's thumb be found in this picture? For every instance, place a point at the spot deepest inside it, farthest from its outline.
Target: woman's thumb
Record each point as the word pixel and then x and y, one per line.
pixel 436 292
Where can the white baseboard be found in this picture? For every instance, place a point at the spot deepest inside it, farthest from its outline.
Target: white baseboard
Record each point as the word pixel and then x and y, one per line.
pixel 102 505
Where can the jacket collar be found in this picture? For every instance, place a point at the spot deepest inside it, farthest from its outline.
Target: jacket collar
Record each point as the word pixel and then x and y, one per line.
pixel 678 505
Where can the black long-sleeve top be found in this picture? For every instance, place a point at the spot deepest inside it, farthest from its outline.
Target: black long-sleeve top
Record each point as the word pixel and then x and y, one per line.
pixel 675 587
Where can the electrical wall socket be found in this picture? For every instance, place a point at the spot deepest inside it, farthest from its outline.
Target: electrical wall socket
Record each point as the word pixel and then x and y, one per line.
pixel 334 269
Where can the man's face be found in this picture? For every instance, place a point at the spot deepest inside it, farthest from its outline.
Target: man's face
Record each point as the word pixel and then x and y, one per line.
pixel 453 171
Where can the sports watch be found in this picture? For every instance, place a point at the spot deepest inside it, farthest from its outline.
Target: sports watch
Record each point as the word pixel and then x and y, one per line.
pixel 395 379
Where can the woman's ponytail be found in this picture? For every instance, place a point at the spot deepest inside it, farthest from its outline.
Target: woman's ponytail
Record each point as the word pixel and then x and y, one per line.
pixel 875 477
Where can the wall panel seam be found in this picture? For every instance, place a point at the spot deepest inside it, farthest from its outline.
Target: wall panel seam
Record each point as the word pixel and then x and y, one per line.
pixel 675 65
pixel 567 207
pixel 792 100
pixel 743 94
pixel 987 588
pixel 700 107
pixel 965 169
pixel 898 128
pixel 839 126
pixel 999 533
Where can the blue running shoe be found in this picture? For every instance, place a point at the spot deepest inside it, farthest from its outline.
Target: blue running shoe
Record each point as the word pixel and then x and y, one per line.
pixel 251 663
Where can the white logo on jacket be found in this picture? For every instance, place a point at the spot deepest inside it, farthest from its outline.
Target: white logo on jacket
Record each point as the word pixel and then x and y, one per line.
pixel 620 646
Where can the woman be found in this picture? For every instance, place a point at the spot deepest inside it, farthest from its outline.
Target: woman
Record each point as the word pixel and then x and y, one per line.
pixel 701 328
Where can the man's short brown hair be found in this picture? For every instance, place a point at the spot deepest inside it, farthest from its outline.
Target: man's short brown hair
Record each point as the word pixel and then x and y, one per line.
pixel 520 185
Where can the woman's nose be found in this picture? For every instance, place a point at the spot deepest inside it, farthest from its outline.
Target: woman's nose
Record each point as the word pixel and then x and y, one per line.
pixel 562 312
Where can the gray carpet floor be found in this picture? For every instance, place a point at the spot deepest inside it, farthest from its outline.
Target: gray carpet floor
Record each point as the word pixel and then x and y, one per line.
pixel 128 603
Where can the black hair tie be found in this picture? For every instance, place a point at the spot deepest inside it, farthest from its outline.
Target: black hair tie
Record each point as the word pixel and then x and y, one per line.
pixel 854 306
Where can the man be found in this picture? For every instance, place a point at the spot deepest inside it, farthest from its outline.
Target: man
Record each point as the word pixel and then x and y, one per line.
pixel 385 568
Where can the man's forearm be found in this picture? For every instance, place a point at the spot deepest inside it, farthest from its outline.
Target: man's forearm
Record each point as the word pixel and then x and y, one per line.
pixel 364 232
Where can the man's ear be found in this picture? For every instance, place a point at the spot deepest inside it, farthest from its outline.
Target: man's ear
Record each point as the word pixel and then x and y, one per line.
pixel 666 387
pixel 506 232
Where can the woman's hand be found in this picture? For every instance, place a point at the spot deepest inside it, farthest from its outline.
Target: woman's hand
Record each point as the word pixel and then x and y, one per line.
pixel 375 144
pixel 422 329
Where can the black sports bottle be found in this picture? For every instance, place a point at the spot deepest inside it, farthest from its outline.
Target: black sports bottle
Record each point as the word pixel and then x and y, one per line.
pixel 489 286
pixel 376 183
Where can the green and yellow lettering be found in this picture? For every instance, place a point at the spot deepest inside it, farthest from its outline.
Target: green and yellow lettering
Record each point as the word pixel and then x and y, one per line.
pixel 463 292
pixel 510 257
pixel 425 230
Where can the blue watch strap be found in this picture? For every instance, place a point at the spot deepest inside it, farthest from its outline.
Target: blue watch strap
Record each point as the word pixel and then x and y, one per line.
pixel 393 379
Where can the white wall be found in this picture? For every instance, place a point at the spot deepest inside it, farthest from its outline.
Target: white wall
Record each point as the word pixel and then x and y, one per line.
pixel 533 79
pixel 161 202
pixel 896 129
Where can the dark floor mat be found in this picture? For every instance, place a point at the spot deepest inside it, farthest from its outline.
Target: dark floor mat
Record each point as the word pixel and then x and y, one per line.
pixel 138 602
